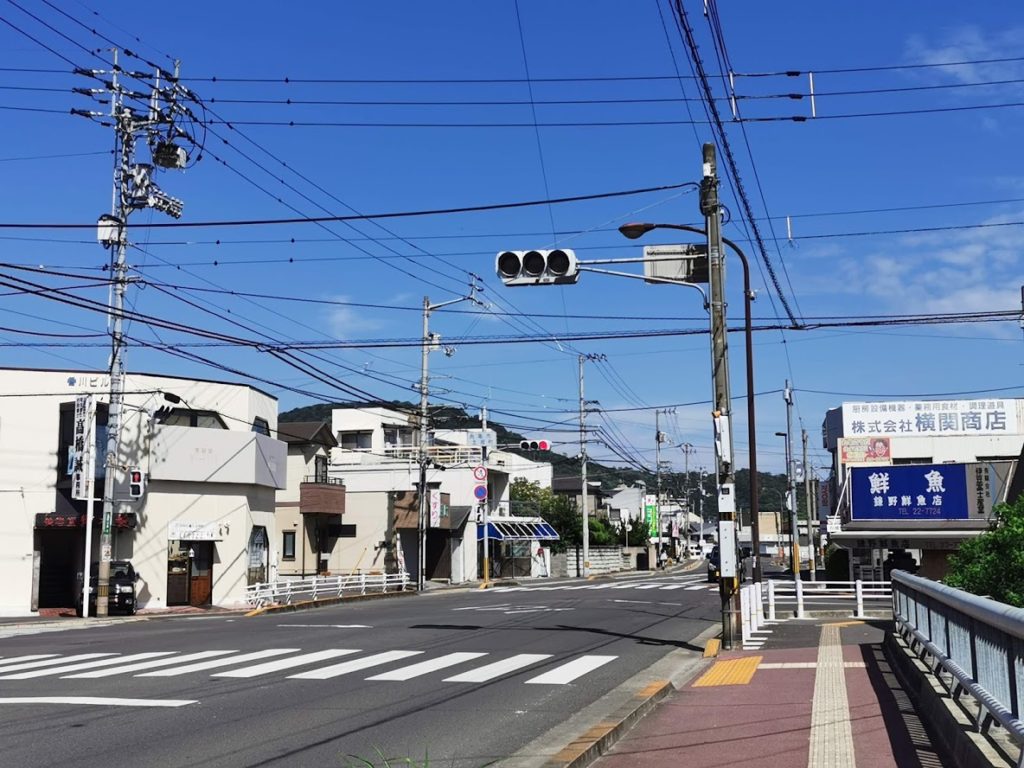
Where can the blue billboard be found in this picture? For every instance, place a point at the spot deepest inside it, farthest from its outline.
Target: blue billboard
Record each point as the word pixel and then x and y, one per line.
pixel 910 492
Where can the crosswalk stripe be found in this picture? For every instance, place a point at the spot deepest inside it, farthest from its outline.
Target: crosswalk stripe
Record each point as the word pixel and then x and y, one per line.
pixel 498 668
pixel 600 586
pixel 425 667
pixel 204 665
pixel 52 662
pixel 84 665
pixel 673 586
pixel 294 661
pixel 152 664
pixel 624 586
pixel 31 657
pixel 354 666
pixel 569 671
pixel 697 586
pixel 648 586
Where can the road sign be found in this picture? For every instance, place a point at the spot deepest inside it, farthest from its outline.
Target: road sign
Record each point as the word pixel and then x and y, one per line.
pixel 480 493
pixel 480 474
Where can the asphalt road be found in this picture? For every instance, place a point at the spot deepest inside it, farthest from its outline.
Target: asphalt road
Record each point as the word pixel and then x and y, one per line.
pixel 519 662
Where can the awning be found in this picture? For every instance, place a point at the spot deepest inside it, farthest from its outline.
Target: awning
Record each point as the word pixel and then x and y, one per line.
pixel 518 529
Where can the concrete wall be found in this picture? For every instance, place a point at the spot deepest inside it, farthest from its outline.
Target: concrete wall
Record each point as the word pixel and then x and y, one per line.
pixel 602 560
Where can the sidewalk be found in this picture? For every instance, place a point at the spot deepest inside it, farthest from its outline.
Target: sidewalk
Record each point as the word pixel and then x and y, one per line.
pixel 819 694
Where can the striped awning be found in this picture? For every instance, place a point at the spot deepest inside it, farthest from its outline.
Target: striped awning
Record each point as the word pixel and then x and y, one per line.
pixel 518 529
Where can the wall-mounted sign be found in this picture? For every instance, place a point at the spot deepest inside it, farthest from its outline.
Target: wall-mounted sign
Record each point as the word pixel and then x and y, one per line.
pixel 910 492
pixel 865 450
pixel 81 453
pixel 55 520
pixel 435 508
pixel 186 531
pixel 917 418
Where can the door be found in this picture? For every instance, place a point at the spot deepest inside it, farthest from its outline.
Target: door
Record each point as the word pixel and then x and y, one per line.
pixel 201 573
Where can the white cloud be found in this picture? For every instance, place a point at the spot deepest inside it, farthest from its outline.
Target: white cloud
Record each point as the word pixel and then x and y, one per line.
pixel 343 322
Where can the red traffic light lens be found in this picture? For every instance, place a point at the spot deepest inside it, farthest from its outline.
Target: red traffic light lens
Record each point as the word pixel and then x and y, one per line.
pixel 543 445
pixel 136 477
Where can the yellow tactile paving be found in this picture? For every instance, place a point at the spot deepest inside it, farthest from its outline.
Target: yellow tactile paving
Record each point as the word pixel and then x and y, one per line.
pixel 712 648
pixel 730 672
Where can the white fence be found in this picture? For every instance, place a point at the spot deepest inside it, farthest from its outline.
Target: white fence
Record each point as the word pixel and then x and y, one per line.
pixel 828 595
pixel 322 587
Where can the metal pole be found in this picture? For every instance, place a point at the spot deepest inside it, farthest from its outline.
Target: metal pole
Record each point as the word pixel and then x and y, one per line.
pixel 486 504
pixel 754 482
pixel 794 532
pixel 583 474
pixel 657 471
pixel 722 403
pixel 807 506
pixel 90 503
pixel 422 517
pixel 687 450
pixel 124 143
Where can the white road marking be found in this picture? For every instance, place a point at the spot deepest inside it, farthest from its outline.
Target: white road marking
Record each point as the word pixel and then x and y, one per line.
pixel 698 586
pixel 353 666
pixel 204 665
pixel 638 602
pixel 289 663
pixel 674 586
pixel 32 657
pixel 426 667
pixel 571 670
pixel 648 586
pixel 97 701
pixel 147 665
pixel 335 626
pixel 84 665
pixel 498 668
pixel 53 662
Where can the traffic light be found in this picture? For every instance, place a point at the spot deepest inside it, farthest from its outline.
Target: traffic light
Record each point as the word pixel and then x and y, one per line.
pixel 136 483
pixel 535 445
pixel 538 267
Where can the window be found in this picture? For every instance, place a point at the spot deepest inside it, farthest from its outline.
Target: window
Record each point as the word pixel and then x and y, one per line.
pixel 184 417
pixel 355 441
pixel 320 469
pixel 261 426
pixel 288 545
pixel 398 437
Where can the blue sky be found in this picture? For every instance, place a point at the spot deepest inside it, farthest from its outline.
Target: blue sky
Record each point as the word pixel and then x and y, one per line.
pixel 942 162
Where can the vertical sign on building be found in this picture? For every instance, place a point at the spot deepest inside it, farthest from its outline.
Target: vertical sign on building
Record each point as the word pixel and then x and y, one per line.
pixel 435 508
pixel 80 458
pixel 651 515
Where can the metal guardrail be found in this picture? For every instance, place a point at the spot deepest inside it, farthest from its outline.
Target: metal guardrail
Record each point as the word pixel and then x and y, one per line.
pixel 805 593
pixel 287 591
pixel 975 642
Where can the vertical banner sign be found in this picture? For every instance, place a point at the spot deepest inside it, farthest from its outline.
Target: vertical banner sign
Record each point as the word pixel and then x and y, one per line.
pixel 80 455
pixel 651 515
pixel 435 508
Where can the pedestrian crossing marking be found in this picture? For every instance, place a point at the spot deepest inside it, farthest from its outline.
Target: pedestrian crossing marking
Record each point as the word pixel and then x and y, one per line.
pixel 31 657
pixel 498 668
pixel 204 665
pixel 355 665
pixel 52 662
pixel 174 663
pixel 60 670
pixel 279 664
pixel 152 664
pixel 426 667
pixel 571 670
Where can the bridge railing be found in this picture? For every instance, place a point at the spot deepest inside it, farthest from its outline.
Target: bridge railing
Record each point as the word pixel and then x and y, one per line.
pixel 288 591
pixel 972 644
pixel 804 595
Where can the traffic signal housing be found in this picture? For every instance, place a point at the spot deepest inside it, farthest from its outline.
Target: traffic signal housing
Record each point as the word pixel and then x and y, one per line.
pixel 535 445
pixel 136 483
pixel 555 267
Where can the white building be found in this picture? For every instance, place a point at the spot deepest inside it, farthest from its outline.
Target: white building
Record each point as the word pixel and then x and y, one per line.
pixel 377 460
pixel 918 475
pixel 201 531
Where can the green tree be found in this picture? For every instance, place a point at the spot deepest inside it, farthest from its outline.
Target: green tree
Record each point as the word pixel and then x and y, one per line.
pixel 530 500
pixel 993 564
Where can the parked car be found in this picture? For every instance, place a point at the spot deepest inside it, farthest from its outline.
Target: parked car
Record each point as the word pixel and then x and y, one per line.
pixel 715 564
pixel 121 592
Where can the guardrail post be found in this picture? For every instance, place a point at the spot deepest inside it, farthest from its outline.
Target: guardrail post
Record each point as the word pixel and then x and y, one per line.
pixel 858 589
pixel 362 583
pixel 771 600
pixel 799 597
pixel 760 604
pixel 745 613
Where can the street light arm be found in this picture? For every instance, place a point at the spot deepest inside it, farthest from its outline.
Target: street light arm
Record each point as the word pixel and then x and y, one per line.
pixel 664 280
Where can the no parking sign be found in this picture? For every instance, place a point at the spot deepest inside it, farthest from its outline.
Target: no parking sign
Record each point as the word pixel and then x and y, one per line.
pixel 480 493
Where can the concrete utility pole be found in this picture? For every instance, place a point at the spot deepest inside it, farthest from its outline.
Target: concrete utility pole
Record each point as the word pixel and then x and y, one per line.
pixel 794 518
pixel 811 522
pixel 484 515
pixel 687 450
pixel 424 459
pixel 133 189
pixel 722 401
pixel 583 473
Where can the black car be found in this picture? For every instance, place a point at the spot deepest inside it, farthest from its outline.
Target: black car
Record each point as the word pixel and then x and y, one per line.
pixel 121 592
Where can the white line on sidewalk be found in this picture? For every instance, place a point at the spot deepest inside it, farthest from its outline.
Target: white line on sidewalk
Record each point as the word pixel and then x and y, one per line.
pixel 831 733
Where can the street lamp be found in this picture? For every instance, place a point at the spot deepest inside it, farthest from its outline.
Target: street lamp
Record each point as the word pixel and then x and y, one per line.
pixel 636 230
pixel 794 534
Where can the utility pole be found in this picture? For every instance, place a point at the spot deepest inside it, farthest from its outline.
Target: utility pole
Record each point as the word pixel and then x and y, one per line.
pixel 807 505
pixel 485 517
pixel 687 450
pixel 794 518
pixel 722 400
pixel 583 473
pixel 427 342
pixel 133 189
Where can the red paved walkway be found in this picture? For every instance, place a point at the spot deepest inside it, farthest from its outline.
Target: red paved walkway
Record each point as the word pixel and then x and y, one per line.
pixel 767 722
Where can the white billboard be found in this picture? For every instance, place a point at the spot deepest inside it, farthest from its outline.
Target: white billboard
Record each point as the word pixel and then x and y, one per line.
pixel 930 418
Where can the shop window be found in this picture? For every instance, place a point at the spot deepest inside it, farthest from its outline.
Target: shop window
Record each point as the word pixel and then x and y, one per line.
pixel 288 545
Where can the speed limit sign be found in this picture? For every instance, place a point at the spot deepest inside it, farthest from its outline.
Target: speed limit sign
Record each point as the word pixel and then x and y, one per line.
pixel 480 474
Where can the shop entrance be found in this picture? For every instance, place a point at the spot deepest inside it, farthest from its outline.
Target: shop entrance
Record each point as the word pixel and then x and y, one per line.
pixel 60 558
pixel 189 573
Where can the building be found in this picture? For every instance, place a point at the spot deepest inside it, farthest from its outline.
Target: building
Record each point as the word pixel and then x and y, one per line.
pixel 597 504
pixel 310 510
pixel 377 459
pixel 918 476
pixel 201 530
